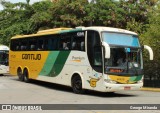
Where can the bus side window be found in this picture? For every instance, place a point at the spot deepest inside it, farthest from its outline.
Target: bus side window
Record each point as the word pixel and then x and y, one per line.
pixel 65 46
pixel 74 45
pixel 78 42
pixel 18 45
pixel 14 45
pixel 33 47
pixel 65 42
pixel 46 46
pixel 23 48
pixel 50 46
pixel 60 45
pixel 17 48
pixel 82 46
pixel 33 44
pixel 53 43
pixel 40 45
pixel 23 45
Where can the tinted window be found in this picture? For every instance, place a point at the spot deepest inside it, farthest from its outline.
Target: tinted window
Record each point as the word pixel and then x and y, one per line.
pixel 94 50
pixel 66 41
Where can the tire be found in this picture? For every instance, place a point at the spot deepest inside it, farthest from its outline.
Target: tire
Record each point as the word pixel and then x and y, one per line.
pixel 25 74
pixel 20 75
pixel 77 85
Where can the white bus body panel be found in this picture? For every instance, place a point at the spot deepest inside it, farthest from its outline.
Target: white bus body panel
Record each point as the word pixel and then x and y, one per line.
pixel 3 68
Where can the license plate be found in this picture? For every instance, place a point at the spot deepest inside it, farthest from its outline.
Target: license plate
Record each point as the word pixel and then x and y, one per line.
pixel 127 88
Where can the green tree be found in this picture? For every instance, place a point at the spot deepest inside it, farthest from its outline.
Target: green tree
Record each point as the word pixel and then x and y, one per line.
pixel 14 19
pixel 69 16
pixel 137 14
pixel 41 17
pixel 152 37
pixel 22 18
pixel 105 13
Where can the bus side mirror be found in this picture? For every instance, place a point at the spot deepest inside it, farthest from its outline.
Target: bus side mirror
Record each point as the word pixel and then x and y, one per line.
pixel 107 50
pixel 150 51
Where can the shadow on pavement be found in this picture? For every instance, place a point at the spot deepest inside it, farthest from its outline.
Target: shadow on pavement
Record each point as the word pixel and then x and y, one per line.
pixel 69 89
pixel 87 92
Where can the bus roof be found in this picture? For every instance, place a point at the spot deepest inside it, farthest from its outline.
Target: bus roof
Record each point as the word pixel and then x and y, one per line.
pixel 43 32
pixel 65 30
pixel 3 47
pixel 109 29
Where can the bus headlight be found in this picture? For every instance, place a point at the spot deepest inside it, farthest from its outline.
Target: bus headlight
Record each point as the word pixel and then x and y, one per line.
pixel 110 81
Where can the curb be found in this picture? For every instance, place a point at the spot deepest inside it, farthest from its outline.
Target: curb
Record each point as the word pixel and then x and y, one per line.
pixel 150 89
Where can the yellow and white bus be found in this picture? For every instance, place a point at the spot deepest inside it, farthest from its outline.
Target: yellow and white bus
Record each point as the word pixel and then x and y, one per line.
pixel 4 54
pixel 96 58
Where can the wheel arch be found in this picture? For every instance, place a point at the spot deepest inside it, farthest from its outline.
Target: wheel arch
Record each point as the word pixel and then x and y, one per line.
pixel 76 73
pixel 19 68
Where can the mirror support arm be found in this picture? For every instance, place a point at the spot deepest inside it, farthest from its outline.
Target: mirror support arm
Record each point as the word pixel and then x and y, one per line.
pixel 107 49
pixel 150 51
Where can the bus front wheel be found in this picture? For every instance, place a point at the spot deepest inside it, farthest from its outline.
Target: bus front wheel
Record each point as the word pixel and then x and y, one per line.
pixel 77 85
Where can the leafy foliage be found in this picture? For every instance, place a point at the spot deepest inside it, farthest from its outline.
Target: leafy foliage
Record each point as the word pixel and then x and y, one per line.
pixel 152 37
pixel 41 16
pixel 69 16
pixel 14 19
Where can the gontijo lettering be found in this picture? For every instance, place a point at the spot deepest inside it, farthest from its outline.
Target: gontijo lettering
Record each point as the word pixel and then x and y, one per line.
pixel 31 56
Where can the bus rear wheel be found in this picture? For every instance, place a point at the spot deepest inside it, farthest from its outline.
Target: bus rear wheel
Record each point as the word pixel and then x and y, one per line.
pixel 25 74
pixel 77 85
pixel 20 75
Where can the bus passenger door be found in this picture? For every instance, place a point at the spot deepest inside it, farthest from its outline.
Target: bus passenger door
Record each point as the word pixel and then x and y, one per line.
pixel 94 52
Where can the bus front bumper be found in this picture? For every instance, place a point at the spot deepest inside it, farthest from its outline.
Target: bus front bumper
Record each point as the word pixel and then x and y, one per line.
pixel 121 87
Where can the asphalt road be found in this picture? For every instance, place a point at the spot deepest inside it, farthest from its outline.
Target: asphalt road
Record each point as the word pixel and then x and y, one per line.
pixel 13 91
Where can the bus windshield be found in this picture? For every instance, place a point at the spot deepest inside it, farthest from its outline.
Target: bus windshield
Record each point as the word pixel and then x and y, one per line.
pixel 126 56
pixel 121 39
pixel 4 57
